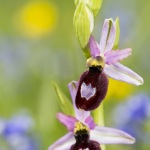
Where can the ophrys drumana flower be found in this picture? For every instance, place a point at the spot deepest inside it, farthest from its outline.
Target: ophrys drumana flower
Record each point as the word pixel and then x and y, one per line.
pixel 104 54
pixel 84 133
pixel 104 61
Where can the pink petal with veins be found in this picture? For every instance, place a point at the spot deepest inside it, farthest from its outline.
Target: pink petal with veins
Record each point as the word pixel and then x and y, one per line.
pixel 105 135
pixel 81 115
pixel 94 50
pixel 66 120
pixel 64 143
pixel 116 55
pixel 108 35
pixel 90 122
pixel 120 72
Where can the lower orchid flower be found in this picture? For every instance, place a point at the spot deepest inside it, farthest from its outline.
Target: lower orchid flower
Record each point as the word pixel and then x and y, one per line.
pixel 83 133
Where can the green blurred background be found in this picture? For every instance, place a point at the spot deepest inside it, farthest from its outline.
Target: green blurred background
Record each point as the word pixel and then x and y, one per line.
pixel 38 45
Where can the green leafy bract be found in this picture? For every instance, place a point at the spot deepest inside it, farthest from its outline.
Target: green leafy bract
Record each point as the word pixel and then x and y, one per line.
pixel 94 5
pixel 65 103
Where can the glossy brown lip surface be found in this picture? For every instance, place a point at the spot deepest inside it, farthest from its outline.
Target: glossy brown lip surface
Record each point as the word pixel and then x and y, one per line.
pixel 83 142
pixel 97 80
pixel 91 145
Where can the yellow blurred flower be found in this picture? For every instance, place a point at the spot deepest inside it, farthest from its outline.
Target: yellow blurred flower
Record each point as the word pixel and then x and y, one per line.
pixel 36 19
pixel 118 90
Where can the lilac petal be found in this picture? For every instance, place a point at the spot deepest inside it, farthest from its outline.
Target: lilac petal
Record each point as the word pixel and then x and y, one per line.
pixel 66 120
pixel 117 55
pixel 73 86
pixel 108 35
pixel 105 135
pixel 64 143
pixel 90 122
pixel 120 72
pixel 81 115
pixel 94 50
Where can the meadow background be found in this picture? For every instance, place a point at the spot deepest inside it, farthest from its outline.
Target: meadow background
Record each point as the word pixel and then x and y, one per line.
pixel 38 45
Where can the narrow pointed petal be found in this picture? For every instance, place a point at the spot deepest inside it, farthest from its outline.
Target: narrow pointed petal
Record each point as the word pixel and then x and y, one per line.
pixel 120 72
pixel 81 115
pixel 90 122
pixel 105 135
pixel 117 55
pixel 108 35
pixel 66 120
pixel 64 143
pixel 94 50
pixel 73 87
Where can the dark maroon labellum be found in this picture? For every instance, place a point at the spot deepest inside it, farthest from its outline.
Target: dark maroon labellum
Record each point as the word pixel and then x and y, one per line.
pixel 83 142
pixel 92 89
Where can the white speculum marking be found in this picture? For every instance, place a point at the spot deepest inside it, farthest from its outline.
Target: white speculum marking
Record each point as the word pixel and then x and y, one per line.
pixel 87 91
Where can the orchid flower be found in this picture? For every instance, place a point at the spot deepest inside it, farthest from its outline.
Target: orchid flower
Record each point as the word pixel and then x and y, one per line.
pixel 83 121
pixel 104 55
pixel 93 84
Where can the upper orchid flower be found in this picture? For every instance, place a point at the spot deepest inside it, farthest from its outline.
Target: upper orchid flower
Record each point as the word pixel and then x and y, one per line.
pixel 84 133
pixel 104 55
pixel 93 83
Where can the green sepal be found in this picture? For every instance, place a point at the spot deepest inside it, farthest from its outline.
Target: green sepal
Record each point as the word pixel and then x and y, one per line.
pixel 86 52
pixel 116 43
pixel 98 115
pixel 84 23
pixel 63 100
pixel 94 5
pixel 76 2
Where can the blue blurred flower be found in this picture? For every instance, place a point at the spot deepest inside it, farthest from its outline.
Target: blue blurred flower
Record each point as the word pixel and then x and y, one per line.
pixel 16 133
pixel 133 116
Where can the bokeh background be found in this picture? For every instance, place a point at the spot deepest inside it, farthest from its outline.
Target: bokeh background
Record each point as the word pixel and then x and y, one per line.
pixel 38 45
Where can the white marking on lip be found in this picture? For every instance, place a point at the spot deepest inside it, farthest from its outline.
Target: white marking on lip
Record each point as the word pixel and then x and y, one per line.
pixel 87 91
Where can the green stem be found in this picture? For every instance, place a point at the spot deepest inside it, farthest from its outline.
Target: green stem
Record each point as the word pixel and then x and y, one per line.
pixel 98 115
